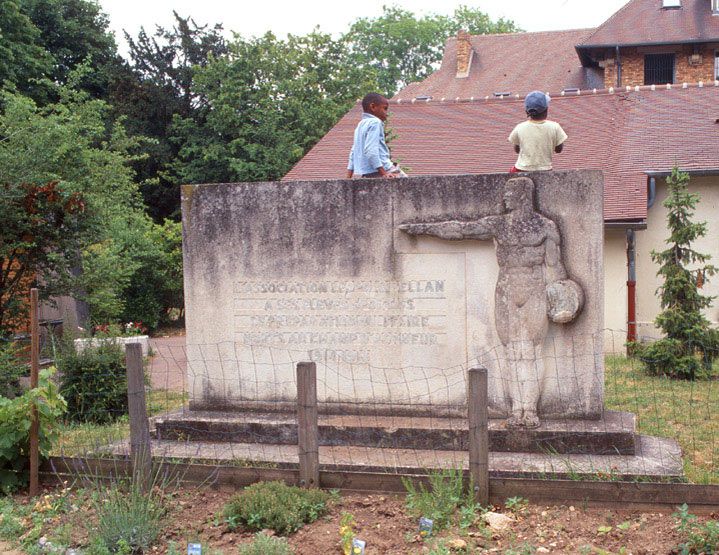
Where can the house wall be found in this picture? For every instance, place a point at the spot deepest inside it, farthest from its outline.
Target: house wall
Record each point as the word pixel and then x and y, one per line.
pixel 632 61
pixel 654 237
pixel 615 290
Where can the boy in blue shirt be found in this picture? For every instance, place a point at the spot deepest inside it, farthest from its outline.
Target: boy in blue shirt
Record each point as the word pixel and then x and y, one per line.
pixel 369 156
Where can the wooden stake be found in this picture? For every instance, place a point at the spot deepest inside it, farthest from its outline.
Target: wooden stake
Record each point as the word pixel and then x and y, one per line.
pixel 34 382
pixel 478 413
pixel 140 447
pixel 308 435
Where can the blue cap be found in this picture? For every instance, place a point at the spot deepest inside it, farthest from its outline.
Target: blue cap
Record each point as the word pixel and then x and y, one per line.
pixel 536 102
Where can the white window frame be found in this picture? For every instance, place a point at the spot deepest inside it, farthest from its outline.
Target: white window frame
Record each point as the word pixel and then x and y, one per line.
pixel 671 3
pixel 715 7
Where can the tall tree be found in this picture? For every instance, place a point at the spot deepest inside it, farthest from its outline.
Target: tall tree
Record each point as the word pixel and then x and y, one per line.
pixel 23 60
pixel 157 86
pixel 404 48
pixel 74 32
pixel 269 101
pixel 690 343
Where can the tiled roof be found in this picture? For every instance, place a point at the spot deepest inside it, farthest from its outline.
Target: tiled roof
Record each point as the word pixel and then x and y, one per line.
pixel 646 22
pixel 515 62
pixel 622 133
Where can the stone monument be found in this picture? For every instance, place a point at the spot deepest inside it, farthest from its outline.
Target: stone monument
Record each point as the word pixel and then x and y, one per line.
pixel 395 288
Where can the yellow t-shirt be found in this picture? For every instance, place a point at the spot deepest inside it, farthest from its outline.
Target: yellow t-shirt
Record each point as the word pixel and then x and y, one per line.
pixel 537 141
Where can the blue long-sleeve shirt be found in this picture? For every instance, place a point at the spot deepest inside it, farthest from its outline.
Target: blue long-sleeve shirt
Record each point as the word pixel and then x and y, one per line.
pixel 369 150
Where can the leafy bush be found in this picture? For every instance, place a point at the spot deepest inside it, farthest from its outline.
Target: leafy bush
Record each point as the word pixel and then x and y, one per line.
pixel 15 417
pixel 11 370
pixel 94 382
pixel 275 506
pixel 263 544
pixel 673 358
pixel 701 538
pixel 129 520
pixel 447 499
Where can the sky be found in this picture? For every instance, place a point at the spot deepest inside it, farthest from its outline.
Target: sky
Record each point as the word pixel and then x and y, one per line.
pixel 299 17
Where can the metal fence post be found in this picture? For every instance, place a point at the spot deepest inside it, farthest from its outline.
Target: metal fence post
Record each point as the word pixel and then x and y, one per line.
pixel 478 414
pixel 307 433
pixel 140 448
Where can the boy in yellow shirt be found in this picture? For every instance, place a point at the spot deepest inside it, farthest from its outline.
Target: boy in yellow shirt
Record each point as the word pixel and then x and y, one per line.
pixel 537 138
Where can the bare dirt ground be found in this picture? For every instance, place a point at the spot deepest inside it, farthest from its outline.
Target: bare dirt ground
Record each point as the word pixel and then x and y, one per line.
pixel 195 515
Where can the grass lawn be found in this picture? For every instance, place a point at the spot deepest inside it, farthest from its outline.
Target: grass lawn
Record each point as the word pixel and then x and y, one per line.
pixel 80 439
pixel 683 410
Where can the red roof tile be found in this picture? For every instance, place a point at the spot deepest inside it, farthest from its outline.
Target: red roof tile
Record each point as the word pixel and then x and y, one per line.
pixel 624 134
pixel 646 22
pixel 515 62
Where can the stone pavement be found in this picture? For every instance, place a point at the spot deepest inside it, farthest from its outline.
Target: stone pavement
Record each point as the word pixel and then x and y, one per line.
pixel 168 364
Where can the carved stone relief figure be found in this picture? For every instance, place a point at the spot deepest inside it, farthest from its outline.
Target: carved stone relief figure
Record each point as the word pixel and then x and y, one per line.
pixel 532 287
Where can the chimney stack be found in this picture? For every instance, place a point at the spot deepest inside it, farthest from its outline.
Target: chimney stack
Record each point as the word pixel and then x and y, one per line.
pixel 464 54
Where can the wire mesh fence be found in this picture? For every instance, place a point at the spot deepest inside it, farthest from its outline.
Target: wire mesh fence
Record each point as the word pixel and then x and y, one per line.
pixel 236 405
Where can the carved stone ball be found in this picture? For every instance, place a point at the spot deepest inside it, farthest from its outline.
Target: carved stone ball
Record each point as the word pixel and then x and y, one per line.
pixel 565 300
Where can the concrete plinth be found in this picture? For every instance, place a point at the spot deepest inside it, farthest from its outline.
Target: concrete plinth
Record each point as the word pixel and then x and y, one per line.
pixel 613 434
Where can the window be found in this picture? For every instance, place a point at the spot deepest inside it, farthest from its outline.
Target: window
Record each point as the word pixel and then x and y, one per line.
pixel 658 69
pixel 671 3
pixel 715 7
pixel 716 65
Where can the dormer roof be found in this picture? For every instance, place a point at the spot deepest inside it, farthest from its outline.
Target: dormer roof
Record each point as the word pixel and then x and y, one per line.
pixel 647 22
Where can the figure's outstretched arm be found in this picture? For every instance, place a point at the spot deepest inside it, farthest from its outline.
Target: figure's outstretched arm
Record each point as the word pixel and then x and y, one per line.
pixel 454 230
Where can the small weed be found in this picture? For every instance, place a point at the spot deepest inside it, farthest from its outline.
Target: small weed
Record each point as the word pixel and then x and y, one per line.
pixel 262 544
pixel 700 537
pixel 128 517
pixel 524 549
pixel 277 506
pixel 446 499
pixel 347 532
pixel 517 504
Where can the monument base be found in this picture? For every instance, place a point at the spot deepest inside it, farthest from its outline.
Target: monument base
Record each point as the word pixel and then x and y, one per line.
pixel 614 434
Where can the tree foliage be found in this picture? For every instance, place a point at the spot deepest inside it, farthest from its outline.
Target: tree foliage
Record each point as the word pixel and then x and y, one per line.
pixel 690 343
pixel 404 48
pixel 270 100
pixel 23 60
pixel 157 86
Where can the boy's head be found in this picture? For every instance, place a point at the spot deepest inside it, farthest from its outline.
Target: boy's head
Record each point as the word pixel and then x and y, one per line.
pixel 376 104
pixel 536 104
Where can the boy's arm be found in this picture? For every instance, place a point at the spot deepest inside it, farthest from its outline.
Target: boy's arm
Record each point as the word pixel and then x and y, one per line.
pixel 371 148
pixel 514 139
pixel 350 163
pixel 559 140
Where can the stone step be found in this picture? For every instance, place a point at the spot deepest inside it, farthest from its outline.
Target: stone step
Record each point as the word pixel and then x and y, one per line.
pixel 613 434
pixel 656 459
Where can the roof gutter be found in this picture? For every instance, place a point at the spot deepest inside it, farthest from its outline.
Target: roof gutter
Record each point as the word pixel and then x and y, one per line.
pixel 626 45
pixel 625 224
pixel 698 173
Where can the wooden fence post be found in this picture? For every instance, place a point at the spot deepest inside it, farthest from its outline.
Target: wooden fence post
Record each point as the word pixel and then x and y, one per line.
pixel 307 433
pixel 478 413
pixel 140 448
pixel 34 379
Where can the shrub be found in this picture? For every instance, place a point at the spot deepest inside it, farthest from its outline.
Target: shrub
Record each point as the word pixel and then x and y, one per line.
pixel 128 520
pixel 94 383
pixel 262 544
pixel 15 417
pixel 275 506
pixel 11 370
pixel 446 500
pixel 701 538
pixel 690 343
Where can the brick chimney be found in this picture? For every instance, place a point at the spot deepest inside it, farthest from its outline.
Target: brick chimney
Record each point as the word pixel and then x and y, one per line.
pixel 464 54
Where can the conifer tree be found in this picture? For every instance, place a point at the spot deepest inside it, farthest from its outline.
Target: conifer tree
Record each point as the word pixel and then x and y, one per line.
pixel 690 343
